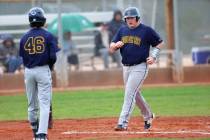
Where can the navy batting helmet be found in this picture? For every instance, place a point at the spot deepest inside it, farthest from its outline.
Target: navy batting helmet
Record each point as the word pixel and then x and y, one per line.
pixel 132 12
pixel 36 16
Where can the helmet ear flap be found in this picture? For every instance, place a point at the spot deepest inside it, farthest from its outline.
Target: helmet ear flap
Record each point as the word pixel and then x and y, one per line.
pixel 137 19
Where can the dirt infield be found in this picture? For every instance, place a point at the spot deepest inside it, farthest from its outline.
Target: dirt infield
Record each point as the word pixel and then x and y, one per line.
pixel 102 128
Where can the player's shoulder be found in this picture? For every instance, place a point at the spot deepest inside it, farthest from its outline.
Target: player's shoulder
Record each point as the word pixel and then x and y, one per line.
pixel 48 34
pixel 38 32
pixel 124 27
pixel 147 27
pixel 25 35
pixel 44 32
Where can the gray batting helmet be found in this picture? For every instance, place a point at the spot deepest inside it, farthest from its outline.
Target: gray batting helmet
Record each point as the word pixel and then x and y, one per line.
pixel 132 12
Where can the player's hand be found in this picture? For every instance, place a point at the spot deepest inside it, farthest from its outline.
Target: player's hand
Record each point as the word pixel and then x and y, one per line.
pixel 119 44
pixel 150 60
pixel 115 46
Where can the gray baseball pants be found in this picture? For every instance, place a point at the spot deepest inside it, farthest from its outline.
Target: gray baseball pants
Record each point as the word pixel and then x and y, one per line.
pixel 134 77
pixel 38 84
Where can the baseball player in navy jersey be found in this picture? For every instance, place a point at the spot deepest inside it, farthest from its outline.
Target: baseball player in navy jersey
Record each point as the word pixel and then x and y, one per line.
pixel 134 41
pixel 38 49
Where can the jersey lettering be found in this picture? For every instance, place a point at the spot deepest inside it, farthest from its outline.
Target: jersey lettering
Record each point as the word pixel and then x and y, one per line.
pixel 131 39
pixel 35 45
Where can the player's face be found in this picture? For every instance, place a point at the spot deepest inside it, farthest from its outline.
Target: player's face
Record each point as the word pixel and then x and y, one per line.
pixel 131 22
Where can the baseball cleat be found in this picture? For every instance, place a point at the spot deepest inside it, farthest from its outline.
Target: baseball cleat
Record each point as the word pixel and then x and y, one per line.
pixel 41 136
pixel 35 126
pixel 120 127
pixel 148 123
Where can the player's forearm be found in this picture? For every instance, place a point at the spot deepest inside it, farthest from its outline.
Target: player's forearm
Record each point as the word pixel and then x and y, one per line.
pixel 160 45
pixel 156 51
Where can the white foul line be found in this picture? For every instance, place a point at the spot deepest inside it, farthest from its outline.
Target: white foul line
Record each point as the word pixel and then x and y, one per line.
pixel 134 132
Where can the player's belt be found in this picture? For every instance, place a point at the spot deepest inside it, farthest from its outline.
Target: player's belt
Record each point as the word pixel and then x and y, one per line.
pixel 132 64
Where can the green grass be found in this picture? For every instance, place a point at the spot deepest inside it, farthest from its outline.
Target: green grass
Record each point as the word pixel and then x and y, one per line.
pixel 164 101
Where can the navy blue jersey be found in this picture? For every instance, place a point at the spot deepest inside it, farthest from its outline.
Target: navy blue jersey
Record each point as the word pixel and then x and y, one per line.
pixel 38 47
pixel 137 43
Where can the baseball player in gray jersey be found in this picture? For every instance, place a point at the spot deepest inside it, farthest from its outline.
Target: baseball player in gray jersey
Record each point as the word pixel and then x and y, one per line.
pixel 134 41
pixel 38 49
